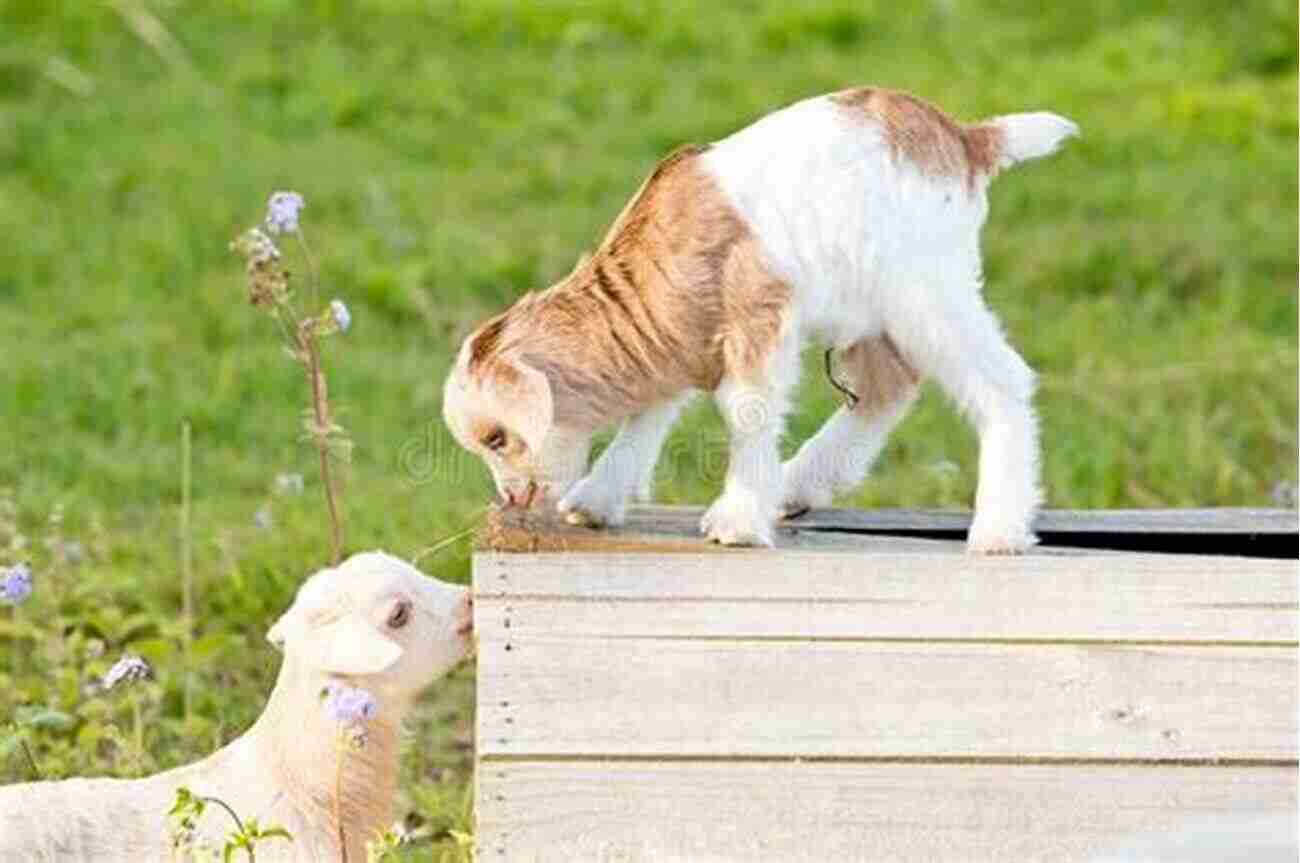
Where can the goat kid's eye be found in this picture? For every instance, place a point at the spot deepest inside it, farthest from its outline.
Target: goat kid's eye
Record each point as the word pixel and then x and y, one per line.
pixel 496 440
pixel 400 615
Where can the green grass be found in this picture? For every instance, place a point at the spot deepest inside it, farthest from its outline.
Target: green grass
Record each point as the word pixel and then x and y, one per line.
pixel 455 155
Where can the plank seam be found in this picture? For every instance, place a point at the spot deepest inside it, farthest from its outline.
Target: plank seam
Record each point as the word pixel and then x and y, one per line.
pixel 948 760
pixel 609 598
pixel 900 639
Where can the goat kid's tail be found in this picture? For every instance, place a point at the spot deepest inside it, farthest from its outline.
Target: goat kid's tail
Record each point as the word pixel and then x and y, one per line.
pixel 1020 137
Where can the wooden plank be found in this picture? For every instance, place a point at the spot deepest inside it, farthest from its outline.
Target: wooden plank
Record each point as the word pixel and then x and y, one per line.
pixel 684 520
pixel 675 529
pixel 919 595
pixel 790 813
pixel 1159 521
pixel 669 530
pixel 571 695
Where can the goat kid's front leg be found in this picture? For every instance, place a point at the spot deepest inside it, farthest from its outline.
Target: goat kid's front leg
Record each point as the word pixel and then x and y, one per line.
pixel 748 508
pixel 624 470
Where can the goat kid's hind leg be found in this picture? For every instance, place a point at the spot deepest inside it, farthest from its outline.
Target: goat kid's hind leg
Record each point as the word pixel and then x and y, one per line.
pixel 625 469
pixel 965 350
pixel 840 455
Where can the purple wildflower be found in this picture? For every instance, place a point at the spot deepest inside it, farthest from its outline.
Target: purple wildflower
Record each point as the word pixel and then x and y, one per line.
pixel 342 317
pixel 128 669
pixel 282 212
pixel 345 703
pixel 16 583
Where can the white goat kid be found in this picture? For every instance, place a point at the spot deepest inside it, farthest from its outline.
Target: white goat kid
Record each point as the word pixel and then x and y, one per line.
pixel 852 220
pixel 373 622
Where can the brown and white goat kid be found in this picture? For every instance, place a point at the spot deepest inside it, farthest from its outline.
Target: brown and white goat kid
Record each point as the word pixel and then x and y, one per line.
pixel 374 622
pixel 851 219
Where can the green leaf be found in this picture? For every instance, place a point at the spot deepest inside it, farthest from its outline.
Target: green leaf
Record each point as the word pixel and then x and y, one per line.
pixel 44 718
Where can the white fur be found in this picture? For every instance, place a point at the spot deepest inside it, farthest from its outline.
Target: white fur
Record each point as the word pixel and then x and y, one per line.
pixel 839 456
pixel 755 419
pixel 1033 135
pixel 281 770
pixel 624 470
pixel 870 244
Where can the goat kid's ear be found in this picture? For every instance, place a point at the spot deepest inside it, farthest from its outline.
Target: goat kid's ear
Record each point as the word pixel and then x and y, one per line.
pixel 275 634
pixel 350 646
pixel 525 399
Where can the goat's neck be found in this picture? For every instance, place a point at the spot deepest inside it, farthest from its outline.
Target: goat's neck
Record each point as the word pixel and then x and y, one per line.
pixel 320 775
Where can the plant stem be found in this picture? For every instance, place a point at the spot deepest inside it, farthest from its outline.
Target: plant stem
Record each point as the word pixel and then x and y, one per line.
pixel 31 761
pixel 469 528
pixel 338 799
pixel 238 824
pixel 320 408
pixel 138 733
pixel 187 565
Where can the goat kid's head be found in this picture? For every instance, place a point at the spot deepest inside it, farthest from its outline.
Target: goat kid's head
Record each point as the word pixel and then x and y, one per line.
pixel 502 409
pixel 376 618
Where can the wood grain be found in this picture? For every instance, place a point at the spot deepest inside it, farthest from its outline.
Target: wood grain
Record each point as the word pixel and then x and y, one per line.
pixel 669 530
pixel 644 696
pixel 1168 521
pixel 675 529
pixel 791 813
pixel 572 695
pixel 892 595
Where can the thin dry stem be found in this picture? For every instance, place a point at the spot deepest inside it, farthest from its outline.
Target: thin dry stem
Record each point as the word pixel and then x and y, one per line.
pixel 466 531
pixel 31 760
pixel 320 408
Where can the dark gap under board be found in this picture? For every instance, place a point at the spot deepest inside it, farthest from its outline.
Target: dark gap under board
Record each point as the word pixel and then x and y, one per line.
pixel 1277 546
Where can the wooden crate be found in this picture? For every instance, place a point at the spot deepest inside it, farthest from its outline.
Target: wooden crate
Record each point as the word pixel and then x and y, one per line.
pixel 857 694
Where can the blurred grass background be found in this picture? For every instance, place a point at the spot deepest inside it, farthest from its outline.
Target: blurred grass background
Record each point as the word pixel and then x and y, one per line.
pixel 456 154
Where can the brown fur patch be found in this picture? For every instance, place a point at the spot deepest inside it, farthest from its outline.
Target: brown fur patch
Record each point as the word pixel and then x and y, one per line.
pixel 877 374
pixel 484 342
pixel 925 135
pixel 676 297
pixel 983 148
pixel 754 311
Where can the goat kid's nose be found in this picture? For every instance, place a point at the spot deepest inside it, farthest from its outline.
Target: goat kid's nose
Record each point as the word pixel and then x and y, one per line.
pixel 525 497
